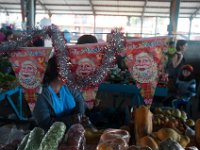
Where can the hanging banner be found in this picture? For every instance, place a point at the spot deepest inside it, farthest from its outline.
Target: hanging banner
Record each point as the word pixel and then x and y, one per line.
pixel 86 59
pixel 145 59
pixel 29 65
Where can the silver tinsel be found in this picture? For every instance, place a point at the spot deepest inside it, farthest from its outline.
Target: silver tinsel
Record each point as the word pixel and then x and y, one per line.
pixel 62 54
pixel 64 63
pixel 117 39
pixel 24 39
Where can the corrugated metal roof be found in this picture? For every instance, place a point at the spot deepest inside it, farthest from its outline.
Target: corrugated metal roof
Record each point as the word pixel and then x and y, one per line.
pixel 159 8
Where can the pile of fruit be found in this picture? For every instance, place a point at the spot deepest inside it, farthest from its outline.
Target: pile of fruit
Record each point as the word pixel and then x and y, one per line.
pixel 165 129
pixel 172 118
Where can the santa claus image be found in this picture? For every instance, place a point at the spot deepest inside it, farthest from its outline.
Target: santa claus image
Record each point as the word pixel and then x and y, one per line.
pixel 144 69
pixel 85 67
pixel 28 75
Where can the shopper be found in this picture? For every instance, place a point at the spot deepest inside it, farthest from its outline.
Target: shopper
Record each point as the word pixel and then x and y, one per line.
pixel 177 60
pixel 186 87
pixel 57 102
pixel 87 38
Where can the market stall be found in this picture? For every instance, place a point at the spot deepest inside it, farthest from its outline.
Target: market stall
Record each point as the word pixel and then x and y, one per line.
pixel 147 127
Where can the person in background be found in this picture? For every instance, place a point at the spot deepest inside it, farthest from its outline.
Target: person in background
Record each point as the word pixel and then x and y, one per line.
pixel 57 102
pixel 84 39
pixel 38 43
pixel 177 60
pixel 6 34
pixel 186 87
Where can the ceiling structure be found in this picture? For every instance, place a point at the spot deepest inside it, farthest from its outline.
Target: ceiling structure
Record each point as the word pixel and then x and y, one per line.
pixel 140 8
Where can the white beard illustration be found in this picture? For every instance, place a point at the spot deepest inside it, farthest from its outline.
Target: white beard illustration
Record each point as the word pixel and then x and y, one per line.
pixel 145 74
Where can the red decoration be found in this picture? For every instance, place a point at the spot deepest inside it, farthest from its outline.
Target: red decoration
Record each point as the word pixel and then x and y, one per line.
pixel 144 63
pixel 29 65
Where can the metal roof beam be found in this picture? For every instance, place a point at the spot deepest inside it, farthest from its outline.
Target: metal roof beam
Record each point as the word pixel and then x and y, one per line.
pixel 45 8
pixel 195 12
pixel 103 5
pixel 118 11
pixel 5 9
pixel 72 13
pixel 144 8
pixel 92 6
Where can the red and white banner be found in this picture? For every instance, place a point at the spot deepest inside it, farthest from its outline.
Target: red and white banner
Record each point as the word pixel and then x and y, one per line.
pixel 29 65
pixel 86 59
pixel 145 58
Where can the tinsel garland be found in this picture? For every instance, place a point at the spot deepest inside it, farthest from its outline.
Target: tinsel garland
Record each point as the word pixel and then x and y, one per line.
pixel 117 39
pixel 24 39
pixel 61 51
pixel 64 63
pixel 63 60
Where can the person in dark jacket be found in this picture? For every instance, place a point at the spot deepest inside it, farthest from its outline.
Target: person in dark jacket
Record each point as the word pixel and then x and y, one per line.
pixel 57 102
pixel 185 87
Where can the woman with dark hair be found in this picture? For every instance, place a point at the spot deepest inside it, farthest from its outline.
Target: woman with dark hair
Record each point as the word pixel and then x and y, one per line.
pixel 87 39
pixel 57 102
pixel 177 60
pixel 185 87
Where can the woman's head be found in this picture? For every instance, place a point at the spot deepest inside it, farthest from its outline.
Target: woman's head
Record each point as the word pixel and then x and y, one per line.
pixel 51 73
pixel 181 45
pixel 87 39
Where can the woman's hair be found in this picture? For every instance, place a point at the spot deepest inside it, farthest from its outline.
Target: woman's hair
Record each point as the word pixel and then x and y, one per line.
pixel 38 42
pixel 180 43
pixel 87 39
pixel 52 70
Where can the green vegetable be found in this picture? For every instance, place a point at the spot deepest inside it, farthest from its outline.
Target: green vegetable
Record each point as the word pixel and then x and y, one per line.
pixel 23 143
pixel 53 137
pixel 34 139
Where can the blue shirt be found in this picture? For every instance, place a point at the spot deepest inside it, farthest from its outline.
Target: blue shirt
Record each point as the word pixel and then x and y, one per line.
pixel 64 103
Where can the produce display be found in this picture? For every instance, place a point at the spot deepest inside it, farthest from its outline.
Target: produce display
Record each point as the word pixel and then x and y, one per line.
pixel 149 130
pixel 7 80
pixel 33 140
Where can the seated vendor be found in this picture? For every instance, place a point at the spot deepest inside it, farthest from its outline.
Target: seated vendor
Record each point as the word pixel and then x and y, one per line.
pixel 57 102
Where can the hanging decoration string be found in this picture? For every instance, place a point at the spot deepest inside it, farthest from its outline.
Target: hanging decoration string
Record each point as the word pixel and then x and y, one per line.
pixel 117 39
pixel 59 45
pixel 64 63
pixel 25 38
pixel 62 54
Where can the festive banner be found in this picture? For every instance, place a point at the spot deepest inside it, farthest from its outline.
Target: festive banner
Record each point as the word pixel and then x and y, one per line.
pixel 86 60
pixel 29 65
pixel 145 60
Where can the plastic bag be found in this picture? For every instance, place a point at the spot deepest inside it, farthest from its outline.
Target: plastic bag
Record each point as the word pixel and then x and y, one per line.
pixel 75 137
pixel 118 139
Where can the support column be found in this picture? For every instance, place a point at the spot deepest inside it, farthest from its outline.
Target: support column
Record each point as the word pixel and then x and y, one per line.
pixel 190 28
pixel 94 26
pixel 156 26
pixel 174 14
pixel 31 6
pixel 23 10
pixel 141 26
